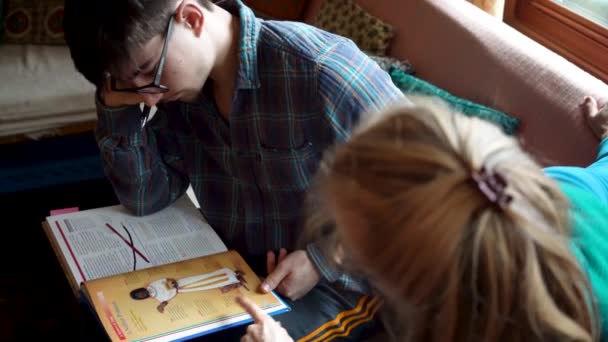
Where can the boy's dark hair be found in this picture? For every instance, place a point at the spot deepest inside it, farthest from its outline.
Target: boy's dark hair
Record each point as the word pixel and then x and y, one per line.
pixel 101 33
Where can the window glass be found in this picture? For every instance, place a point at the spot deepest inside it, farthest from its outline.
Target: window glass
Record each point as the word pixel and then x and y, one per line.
pixel 594 10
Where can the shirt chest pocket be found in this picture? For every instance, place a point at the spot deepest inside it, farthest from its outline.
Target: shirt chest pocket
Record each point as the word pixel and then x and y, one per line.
pixel 286 169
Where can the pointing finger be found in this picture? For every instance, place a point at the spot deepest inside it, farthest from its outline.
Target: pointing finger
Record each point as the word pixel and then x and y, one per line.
pixel 255 311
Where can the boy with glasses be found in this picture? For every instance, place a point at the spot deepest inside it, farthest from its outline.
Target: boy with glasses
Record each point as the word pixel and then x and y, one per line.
pixel 245 109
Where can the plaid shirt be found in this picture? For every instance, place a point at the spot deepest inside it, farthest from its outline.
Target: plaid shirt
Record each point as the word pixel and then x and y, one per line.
pixel 298 91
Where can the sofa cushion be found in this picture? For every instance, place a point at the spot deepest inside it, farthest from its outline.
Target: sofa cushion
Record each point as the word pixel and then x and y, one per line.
pixel 346 18
pixel 41 88
pixel 33 22
pixel 410 84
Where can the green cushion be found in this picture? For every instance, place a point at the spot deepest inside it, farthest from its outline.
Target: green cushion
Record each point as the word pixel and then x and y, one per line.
pixel 410 84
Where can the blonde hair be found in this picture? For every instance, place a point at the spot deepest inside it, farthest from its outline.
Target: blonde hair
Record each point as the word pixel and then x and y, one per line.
pixel 456 266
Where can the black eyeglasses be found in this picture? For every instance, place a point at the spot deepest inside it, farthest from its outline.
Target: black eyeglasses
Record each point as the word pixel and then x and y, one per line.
pixel 154 87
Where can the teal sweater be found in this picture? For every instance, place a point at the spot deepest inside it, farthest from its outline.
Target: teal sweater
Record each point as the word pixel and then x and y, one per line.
pixel 590 245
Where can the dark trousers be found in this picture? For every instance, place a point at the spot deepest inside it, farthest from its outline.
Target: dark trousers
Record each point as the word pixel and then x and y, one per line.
pixel 324 314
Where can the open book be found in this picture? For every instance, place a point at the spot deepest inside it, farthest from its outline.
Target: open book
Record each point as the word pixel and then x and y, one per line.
pixel 162 277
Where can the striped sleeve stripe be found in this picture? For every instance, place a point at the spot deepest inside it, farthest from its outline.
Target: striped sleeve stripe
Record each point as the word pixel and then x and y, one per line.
pixel 348 326
pixel 363 312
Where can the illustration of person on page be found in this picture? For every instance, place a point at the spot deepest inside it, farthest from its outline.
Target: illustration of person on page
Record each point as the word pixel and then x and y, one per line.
pixel 165 289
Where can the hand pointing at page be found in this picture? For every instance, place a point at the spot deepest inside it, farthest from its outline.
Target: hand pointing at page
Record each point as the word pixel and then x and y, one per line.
pixel 264 328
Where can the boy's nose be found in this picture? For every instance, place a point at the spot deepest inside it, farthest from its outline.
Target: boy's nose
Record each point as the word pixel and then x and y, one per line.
pixel 151 99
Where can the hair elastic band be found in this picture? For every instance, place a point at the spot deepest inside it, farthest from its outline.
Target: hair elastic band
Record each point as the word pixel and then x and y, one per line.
pixel 492 185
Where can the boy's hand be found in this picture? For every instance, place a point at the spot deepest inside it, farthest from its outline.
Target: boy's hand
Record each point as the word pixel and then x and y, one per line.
pixel 264 328
pixel 271 262
pixel 293 276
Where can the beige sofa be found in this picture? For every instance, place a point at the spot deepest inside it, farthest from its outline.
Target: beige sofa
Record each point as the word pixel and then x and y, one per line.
pixel 41 93
pixel 450 43
pixel 460 48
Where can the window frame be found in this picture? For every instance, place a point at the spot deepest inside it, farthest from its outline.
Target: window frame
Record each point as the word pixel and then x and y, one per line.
pixel 576 38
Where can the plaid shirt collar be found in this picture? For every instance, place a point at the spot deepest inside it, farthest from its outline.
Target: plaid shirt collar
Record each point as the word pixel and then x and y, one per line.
pixel 247 74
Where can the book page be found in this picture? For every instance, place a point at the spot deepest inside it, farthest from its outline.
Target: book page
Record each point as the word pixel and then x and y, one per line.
pixel 178 300
pixel 110 240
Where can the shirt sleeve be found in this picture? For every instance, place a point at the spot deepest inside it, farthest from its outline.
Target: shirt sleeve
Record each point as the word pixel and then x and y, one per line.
pixel 351 85
pixel 331 273
pixel 142 163
pixel 324 266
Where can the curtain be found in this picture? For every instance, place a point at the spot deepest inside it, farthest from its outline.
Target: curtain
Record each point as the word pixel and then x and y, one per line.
pixel 494 7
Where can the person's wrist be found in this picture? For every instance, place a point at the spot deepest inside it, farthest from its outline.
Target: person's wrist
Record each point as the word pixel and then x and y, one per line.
pixel 102 98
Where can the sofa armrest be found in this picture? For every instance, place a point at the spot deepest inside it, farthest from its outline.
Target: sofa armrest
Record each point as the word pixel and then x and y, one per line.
pixel 460 48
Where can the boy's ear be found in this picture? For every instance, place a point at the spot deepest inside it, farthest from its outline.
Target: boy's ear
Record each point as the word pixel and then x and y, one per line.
pixel 191 14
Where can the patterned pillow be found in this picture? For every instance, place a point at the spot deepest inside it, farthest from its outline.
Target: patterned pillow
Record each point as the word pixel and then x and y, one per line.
pixel 346 18
pixel 33 22
pixel 387 63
